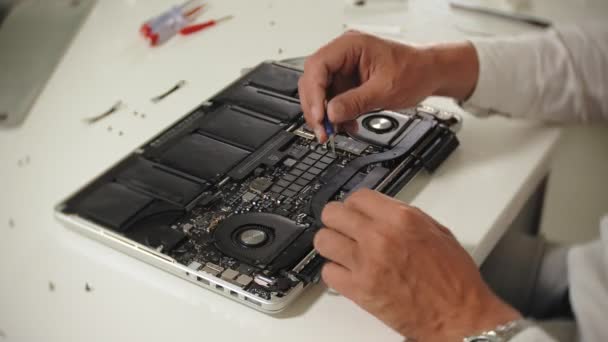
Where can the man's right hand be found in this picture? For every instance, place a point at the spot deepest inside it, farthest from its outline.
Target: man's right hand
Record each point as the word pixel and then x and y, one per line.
pixel 358 73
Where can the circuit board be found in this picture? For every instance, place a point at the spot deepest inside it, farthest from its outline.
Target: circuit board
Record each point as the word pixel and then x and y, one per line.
pixel 263 192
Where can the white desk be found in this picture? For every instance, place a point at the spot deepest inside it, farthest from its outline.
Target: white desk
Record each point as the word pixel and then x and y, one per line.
pixel 476 193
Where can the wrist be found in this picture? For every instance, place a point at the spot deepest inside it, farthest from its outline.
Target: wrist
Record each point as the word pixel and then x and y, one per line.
pixel 477 316
pixel 456 69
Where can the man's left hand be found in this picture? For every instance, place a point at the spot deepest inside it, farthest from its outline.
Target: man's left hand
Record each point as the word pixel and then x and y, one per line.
pixel 406 269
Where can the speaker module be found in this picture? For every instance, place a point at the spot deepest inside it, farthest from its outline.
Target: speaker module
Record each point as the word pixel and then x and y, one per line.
pixel 383 128
pixel 380 123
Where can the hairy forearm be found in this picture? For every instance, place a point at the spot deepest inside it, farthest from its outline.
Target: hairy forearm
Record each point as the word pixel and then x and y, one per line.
pixel 457 69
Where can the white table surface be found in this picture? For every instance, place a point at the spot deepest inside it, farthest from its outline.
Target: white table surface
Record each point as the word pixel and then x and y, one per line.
pixel 477 192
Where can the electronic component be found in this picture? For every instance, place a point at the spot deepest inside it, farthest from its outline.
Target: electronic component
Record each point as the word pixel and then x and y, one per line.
pixel 243 280
pixel 195 265
pixel 229 274
pixel 260 185
pixel 383 128
pixel 289 162
pixel 212 269
pixel 248 197
pixel 304 134
pixel 237 237
pixel 350 145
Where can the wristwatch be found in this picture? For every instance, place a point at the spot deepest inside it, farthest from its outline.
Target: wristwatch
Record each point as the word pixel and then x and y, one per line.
pixel 502 333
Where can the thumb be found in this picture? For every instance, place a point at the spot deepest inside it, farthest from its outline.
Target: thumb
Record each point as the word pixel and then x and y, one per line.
pixel 354 102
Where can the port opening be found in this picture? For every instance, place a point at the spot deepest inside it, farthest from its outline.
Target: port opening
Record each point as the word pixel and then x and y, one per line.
pixel 203 280
pixel 253 301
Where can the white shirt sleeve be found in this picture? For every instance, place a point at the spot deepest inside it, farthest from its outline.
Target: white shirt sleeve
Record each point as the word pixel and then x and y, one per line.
pixel 557 75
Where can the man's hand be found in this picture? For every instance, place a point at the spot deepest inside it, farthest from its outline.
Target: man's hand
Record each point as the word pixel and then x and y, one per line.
pixel 406 269
pixel 358 73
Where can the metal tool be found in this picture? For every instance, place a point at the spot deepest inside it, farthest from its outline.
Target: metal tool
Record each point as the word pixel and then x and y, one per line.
pixel 157 99
pixel 199 27
pixel 329 130
pixel 116 107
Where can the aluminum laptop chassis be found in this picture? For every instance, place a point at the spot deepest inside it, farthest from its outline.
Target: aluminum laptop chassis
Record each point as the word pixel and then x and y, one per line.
pixel 241 221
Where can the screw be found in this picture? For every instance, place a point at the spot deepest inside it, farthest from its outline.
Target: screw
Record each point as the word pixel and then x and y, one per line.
pixel 87 287
pixel 272 23
pixel 143 116
pixel 11 223
pixel 120 133
pixel 109 128
pixel 280 51
pixel 2 334
pixel 51 286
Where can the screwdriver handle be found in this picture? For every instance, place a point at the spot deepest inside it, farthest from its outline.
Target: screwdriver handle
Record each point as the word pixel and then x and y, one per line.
pixel 199 27
pixel 329 128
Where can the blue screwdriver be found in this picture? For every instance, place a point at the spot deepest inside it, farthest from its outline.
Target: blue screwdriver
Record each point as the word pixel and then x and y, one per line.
pixel 329 130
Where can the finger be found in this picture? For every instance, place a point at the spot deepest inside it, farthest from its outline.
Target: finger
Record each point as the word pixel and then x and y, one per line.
pixel 341 83
pixel 354 102
pixel 346 221
pixel 336 247
pixel 312 99
pixel 374 205
pixel 338 278
pixel 350 127
pixel 338 56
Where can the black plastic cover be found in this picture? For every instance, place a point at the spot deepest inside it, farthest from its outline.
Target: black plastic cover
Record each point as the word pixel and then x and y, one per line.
pixel 277 78
pixel 269 154
pixel 237 127
pixel 151 178
pixel 440 151
pixel 152 226
pixel 112 205
pixel 273 105
pixel 202 156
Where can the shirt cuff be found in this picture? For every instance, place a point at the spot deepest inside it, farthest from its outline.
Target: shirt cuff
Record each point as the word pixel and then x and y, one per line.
pixel 486 91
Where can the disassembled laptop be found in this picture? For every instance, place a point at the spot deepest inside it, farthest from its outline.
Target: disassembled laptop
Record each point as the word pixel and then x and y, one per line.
pixel 230 196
